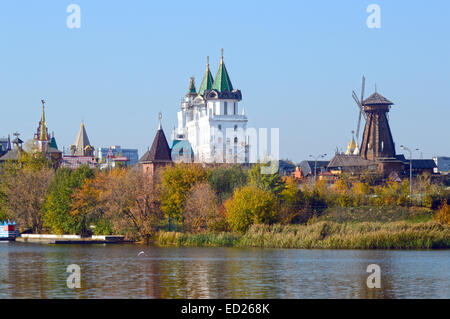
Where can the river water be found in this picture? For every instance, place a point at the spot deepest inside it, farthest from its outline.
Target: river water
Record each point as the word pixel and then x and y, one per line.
pixel 136 271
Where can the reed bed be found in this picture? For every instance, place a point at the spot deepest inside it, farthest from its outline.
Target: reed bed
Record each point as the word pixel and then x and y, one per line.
pixel 323 235
pixel 197 240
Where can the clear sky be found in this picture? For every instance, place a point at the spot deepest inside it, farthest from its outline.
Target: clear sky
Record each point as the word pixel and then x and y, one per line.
pixel 296 63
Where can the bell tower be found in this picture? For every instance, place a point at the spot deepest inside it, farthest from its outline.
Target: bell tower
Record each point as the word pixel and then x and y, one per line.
pixel 377 141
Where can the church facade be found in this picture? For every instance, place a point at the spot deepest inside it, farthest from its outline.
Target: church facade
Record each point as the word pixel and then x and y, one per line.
pixel 212 121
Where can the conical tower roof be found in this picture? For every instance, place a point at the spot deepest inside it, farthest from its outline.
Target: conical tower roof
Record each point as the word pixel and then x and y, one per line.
pixel 82 141
pixel 208 81
pixel 376 99
pixel 160 150
pixel 53 143
pixel 222 81
pixel 192 90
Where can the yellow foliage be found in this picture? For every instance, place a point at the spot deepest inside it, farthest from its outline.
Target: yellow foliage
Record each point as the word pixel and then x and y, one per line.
pixel 443 214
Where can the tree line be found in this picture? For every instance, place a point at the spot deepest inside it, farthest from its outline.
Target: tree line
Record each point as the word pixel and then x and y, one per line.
pixel 185 197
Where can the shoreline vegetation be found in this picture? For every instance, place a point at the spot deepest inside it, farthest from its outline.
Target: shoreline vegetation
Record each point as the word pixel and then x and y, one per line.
pixel 322 235
pixel 226 205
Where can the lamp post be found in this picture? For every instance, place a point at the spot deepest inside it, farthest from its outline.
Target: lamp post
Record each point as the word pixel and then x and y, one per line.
pixel 315 164
pixel 410 169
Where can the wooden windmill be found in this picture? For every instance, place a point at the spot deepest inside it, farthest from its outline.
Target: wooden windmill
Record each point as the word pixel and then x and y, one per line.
pixel 377 141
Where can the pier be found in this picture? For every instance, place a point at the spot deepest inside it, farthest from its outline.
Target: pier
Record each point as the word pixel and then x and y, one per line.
pixel 69 239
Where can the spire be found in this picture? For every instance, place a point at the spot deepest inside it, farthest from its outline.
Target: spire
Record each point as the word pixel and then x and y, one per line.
pixel 352 146
pixel 82 141
pixel 43 125
pixel 222 81
pixel 208 82
pixel 192 90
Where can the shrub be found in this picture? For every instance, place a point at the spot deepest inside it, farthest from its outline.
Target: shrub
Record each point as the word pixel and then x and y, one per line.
pixel 250 205
pixel 443 214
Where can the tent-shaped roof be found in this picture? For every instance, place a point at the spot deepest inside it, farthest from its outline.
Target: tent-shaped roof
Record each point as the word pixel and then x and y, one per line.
pixel 222 81
pixel 377 99
pixel 207 83
pixel 82 141
pixel 160 151
pixel 53 143
pixel 192 90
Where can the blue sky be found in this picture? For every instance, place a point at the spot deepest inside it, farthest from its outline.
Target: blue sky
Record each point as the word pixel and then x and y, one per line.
pixel 296 63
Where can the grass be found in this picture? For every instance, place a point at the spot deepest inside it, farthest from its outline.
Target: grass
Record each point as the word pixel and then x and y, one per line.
pixel 323 234
pixel 204 239
pixel 377 214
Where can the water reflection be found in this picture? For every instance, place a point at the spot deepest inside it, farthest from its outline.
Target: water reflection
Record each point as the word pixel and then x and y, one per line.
pixel 118 271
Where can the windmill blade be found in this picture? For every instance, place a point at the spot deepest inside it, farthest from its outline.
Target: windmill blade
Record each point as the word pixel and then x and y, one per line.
pixel 363 86
pixel 355 97
pixel 357 128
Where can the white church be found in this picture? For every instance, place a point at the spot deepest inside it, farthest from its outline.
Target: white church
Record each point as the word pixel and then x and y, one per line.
pixel 211 125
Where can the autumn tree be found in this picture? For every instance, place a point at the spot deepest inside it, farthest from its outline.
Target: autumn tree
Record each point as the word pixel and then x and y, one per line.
pixel 87 207
pixel 443 214
pixel 23 186
pixel 250 205
pixel 293 203
pixel 176 184
pixel 129 201
pixel 201 208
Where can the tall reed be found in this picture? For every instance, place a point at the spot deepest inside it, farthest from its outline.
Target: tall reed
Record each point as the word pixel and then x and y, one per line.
pixel 325 235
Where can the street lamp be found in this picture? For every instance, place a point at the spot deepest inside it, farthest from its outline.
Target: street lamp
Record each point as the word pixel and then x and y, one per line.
pixel 315 164
pixel 410 169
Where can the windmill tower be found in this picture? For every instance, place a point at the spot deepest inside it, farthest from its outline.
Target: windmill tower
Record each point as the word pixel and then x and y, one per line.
pixel 377 141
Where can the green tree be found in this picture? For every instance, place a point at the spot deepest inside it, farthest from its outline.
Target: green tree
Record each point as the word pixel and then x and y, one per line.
pixel 268 182
pixel 224 180
pixel 250 205
pixel 58 204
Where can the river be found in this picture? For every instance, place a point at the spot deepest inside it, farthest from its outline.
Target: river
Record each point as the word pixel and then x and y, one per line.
pixel 136 271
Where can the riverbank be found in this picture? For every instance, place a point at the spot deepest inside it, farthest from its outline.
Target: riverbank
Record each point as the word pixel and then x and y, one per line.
pixel 322 235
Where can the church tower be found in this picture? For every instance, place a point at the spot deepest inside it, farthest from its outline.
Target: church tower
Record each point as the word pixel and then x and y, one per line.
pixel 41 136
pixel 211 120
